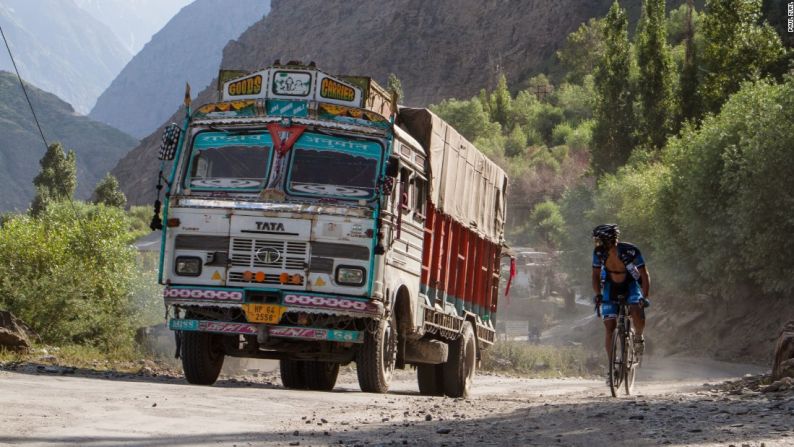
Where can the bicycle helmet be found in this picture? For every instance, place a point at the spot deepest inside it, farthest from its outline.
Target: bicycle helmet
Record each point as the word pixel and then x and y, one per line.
pixel 606 232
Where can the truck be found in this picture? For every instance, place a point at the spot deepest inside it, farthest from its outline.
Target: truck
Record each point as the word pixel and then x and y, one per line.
pixel 309 219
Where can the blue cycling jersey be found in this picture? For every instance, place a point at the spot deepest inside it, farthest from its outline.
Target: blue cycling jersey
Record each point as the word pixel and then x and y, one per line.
pixel 630 255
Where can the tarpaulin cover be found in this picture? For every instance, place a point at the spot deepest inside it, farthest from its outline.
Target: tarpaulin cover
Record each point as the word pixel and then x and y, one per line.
pixel 465 184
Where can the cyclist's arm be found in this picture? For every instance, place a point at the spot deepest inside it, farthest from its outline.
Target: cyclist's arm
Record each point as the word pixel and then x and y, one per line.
pixel 645 280
pixel 597 280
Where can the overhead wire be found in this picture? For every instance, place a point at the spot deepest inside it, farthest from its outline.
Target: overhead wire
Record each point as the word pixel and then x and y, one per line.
pixel 24 90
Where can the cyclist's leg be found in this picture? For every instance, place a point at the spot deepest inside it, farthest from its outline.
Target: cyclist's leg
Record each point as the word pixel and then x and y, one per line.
pixel 609 313
pixel 636 310
pixel 609 326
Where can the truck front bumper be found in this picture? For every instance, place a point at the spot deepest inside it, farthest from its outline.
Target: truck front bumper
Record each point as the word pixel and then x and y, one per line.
pixel 264 331
pixel 281 302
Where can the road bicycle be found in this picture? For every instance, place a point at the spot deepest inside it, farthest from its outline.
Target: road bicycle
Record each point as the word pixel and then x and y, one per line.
pixel 623 358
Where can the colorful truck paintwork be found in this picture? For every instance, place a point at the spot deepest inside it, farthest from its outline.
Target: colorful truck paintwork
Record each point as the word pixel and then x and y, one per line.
pixel 310 220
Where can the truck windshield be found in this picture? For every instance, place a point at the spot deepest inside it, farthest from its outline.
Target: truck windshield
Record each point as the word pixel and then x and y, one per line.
pixel 236 162
pixel 333 167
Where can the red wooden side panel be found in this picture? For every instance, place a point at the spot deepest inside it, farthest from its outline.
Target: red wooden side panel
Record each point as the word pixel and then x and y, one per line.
pixel 427 244
pixel 489 269
pixel 484 280
pixel 477 273
pixel 495 281
pixel 462 289
pixel 453 264
pixel 457 263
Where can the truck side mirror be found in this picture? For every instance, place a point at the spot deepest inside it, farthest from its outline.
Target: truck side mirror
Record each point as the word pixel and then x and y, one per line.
pixel 169 141
pixel 393 167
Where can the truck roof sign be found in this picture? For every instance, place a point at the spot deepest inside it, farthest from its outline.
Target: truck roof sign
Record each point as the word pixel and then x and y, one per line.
pixel 293 83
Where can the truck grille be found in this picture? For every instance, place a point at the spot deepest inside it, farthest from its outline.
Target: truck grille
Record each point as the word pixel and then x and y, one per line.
pixel 283 255
pixel 269 279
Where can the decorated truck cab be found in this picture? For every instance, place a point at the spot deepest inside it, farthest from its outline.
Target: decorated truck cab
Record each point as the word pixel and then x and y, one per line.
pixel 308 219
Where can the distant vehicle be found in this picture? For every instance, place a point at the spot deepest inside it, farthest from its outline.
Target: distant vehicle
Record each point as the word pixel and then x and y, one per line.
pixel 308 219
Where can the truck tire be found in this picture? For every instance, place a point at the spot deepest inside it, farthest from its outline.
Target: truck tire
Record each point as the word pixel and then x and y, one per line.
pixel 292 374
pixel 202 357
pixel 461 365
pixel 320 376
pixel 376 358
pixel 431 379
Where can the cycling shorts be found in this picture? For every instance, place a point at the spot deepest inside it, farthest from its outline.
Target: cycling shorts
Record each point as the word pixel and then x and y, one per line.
pixel 629 288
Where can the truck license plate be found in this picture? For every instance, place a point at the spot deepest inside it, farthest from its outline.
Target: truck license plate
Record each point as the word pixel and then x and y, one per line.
pixel 263 313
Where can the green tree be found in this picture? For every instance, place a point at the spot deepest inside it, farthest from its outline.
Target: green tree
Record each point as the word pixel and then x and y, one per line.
pixel 576 101
pixel 57 179
pixel 723 202
pixel 393 84
pixel 502 102
pixel 516 142
pixel 689 96
pixel 655 86
pixel 548 224
pixel 582 50
pixel 680 21
pixel 737 48
pixel 108 192
pixel 614 115
pixel 468 117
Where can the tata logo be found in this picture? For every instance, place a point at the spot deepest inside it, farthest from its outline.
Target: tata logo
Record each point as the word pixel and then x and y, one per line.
pixel 268 255
pixel 270 226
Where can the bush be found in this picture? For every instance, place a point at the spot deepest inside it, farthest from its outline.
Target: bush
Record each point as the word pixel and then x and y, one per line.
pixel 516 143
pixel 561 133
pixel 580 137
pixel 728 202
pixel 73 278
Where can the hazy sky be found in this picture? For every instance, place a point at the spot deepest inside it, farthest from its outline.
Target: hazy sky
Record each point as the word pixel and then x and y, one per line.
pixel 133 21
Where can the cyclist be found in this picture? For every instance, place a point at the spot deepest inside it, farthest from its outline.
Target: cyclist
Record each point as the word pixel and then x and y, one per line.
pixel 624 273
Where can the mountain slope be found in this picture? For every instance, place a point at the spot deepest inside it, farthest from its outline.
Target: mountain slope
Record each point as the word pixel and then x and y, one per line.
pixel 60 48
pixel 439 49
pixel 188 48
pixel 133 21
pixel 98 146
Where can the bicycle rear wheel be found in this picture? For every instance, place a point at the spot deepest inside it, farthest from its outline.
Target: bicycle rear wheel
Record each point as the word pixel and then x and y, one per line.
pixel 616 362
pixel 630 363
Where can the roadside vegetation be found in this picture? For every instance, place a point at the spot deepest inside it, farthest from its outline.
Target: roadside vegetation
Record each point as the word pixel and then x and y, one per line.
pixel 70 271
pixel 678 130
pixel 539 361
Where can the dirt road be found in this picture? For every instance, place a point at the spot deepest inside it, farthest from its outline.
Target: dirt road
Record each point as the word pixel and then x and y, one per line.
pixel 673 408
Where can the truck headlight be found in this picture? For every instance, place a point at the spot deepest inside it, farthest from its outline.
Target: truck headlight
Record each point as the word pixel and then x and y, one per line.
pixel 188 266
pixel 350 276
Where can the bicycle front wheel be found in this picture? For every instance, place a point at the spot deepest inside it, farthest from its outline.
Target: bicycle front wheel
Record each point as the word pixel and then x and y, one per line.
pixel 630 363
pixel 616 362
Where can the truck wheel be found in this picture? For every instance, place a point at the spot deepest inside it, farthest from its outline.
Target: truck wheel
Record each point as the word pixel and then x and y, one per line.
pixel 320 376
pixel 431 379
pixel 461 364
pixel 292 374
pixel 376 358
pixel 202 357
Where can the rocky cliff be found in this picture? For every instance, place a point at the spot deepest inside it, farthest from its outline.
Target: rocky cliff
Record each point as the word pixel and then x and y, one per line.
pixel 187 49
